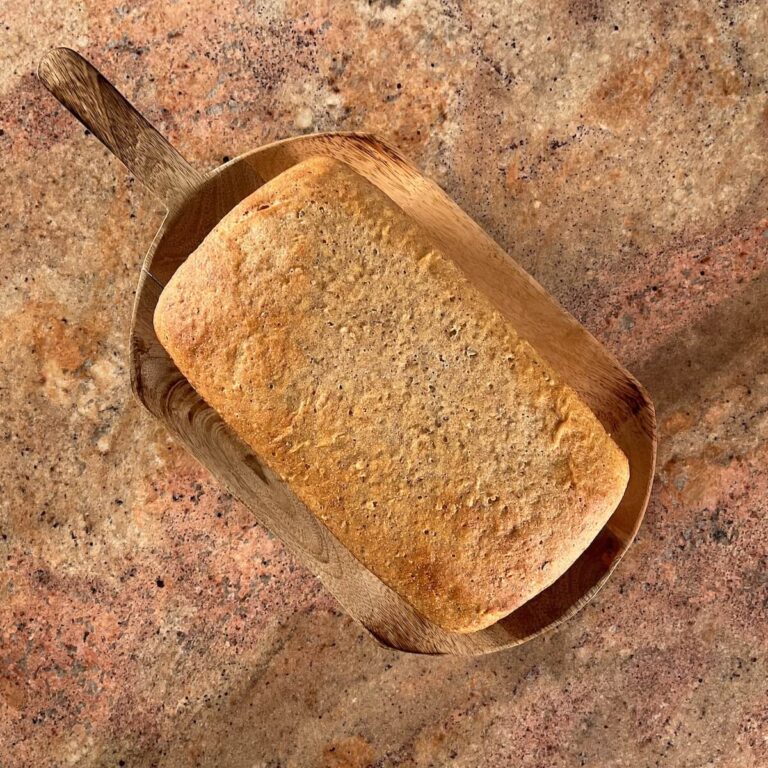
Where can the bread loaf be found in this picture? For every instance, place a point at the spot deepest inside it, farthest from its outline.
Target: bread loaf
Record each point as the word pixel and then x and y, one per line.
pixel 403 409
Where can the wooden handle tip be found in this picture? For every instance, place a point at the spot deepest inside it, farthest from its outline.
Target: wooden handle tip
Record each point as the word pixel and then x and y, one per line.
pixel 53 61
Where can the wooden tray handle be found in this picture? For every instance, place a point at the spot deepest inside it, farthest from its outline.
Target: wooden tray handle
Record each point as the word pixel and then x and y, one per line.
pixel 101 108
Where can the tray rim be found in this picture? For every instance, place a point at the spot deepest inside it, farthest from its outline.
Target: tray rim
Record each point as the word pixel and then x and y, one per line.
pixel 644 411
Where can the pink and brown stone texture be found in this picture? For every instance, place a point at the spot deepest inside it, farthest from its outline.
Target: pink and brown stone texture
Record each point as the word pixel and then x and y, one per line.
pixel 619 152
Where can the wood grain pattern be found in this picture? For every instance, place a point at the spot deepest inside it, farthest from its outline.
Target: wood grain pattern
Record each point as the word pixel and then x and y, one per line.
pixel 101 108
pixel 197 203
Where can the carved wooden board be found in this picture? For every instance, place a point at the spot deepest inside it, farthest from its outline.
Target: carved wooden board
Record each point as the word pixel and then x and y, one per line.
pixel 197 202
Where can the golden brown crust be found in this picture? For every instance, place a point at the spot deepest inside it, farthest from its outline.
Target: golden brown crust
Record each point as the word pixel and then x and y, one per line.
pixel 330 333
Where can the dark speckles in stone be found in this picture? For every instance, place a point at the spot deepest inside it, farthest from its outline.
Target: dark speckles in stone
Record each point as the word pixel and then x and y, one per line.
pixel 645 672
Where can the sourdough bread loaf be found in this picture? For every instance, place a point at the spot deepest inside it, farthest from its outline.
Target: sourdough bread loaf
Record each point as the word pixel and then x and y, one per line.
pixel 403 409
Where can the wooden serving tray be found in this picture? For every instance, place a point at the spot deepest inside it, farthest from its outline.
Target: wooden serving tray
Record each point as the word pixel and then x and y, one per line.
pixel 196 202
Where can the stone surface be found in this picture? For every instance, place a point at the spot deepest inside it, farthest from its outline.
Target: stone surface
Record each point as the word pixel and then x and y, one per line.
pixel 618 151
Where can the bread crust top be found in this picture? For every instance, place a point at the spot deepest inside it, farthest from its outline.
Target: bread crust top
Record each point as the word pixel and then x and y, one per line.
pixel 403 409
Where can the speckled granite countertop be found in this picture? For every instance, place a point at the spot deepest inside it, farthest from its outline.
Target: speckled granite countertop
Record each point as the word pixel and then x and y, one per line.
pixel 618 151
